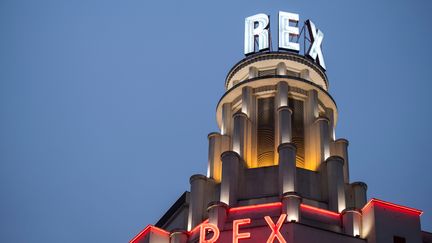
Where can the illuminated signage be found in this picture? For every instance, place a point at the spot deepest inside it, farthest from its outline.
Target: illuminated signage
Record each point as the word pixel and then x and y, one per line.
pixel 275 229
pixel 236 235
pixel 257 35
pixel 203 232
pixel 256 26
pixel 210 233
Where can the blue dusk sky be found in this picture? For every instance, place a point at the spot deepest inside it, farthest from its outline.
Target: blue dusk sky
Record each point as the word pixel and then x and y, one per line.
pixel 105 106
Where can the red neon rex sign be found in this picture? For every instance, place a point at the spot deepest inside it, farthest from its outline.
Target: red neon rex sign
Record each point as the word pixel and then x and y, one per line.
pixel 238 234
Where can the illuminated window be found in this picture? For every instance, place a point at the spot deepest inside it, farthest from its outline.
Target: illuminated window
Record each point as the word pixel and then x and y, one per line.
pixel 266 132
pixel 398 239
pixel 297 122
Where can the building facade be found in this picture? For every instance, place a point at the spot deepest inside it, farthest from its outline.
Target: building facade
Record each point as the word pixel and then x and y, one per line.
pixel 276 170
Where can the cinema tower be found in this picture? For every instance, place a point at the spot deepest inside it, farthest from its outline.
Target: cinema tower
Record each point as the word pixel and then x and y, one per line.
pixel 276 170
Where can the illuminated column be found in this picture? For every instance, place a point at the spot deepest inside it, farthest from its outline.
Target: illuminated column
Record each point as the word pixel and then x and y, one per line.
pixel 351 220
pixel 291 206
pixel 202 189
pixel 322 139
pixel 214 169
pixel 287 168
pixel 248 108
pixel 311 113
pixel 217 212
pixel 340 148
pixel 282 94
pixel 283 131
pixel 231 164
pixel 226 128
pixel 247 100
pixel 239 140
pixel 225 143
pixel 226 119
pixel 179 236
pixel 330 115
pixel 359 192
pixel 284 124
pixel 335 183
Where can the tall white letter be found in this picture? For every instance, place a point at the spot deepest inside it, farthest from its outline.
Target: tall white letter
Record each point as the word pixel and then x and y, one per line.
pixel 286 31
pixel 256 25
pixel 316 37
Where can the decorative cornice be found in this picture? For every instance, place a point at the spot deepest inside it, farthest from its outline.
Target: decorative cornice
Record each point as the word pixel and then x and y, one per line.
pixel 277 76
pixel 275 55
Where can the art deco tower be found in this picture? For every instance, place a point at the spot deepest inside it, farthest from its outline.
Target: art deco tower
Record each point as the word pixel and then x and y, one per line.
pixel 276 169
pixel 276 141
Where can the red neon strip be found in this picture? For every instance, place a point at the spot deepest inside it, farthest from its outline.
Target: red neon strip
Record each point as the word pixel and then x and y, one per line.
pixel 319 210
pixel 197 227
pixel 146 230
pixel 253 207
pixel 390 205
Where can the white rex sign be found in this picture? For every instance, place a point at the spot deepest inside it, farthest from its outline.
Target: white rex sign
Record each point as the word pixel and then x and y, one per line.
pixel 257 27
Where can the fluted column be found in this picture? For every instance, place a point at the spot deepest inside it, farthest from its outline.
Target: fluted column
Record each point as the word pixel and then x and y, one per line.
pixel 330 115
pixel 284 125
pixel 335 183
pixel 214 169
pixel 322 140
pixel 239 140
pixel 178 236
pixel 218 212
pixel 282 94
pixel 226 125
pixel 231 164
pixel 311 113
pixel 287 167
pixel 359 192
pixel 225 143
pixel 291 206
pixel 247 100
pixel 351 221
pixel 202 191
pixel 283 128
pixel 340 148
pixel 248 108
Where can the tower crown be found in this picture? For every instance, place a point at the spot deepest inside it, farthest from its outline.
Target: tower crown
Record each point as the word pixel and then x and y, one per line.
pixel 258 87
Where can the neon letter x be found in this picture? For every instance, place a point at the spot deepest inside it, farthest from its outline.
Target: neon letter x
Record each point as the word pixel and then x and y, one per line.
pixel 275 229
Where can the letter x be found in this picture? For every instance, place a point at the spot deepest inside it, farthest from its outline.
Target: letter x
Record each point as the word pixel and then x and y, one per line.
pixel 275 229
pixel 315 48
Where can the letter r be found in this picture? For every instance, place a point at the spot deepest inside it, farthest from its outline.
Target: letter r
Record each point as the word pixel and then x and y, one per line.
pixel 256 25
pixel 203 231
